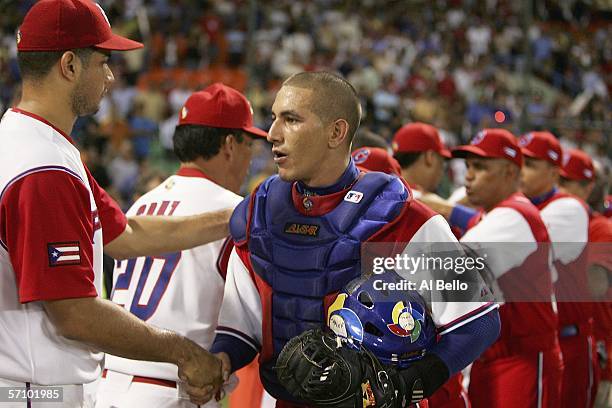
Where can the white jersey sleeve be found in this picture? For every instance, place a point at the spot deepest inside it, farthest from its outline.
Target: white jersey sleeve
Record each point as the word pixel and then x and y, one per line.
pixel 446 315
pixel 498 226
pixel 567 221
pixel 240 314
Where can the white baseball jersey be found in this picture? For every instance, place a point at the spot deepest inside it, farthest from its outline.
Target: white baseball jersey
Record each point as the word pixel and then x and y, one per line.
pixel 567 220
pixel 502 224
pixel 180 291
pixel 51 217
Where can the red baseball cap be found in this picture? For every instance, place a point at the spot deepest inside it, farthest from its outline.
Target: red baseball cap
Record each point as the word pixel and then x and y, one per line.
pixel 376 159
pixel 219 106
pixel 493 143
pixel 58 25
pixel 577 165
pixel 541 145
pixel 419 137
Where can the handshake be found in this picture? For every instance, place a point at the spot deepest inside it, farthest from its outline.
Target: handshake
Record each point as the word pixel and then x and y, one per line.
pixel 202 373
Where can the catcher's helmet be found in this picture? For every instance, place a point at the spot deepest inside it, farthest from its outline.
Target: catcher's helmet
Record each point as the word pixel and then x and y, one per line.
pixel 392 324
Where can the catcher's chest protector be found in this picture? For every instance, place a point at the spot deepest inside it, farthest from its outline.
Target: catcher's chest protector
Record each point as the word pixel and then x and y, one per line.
pixel 304 258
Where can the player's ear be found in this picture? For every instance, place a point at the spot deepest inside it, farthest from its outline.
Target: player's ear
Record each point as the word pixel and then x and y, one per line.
pixel 228 147
pixel 429 157
pixel 339 133
pixel 69 66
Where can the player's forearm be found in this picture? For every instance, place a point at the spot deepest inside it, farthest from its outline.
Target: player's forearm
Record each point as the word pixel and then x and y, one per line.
pixel 155 235
pixel 111 329
pixel 465 344
pixel 438 204
pixel 452 353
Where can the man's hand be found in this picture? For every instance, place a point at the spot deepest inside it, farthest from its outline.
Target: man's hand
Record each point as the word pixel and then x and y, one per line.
pixel 226 365
pixel 201 371
pixel 226 371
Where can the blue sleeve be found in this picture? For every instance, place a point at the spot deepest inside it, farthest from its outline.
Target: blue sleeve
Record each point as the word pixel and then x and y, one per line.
pixel 461 215
pixel 238 221
pixel 465 344
pixel 239 352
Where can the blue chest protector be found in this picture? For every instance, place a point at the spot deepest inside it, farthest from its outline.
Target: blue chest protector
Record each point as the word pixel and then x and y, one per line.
pixel 302 268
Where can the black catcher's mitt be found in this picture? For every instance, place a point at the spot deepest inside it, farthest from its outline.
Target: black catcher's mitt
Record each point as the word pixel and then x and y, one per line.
pixel 317 369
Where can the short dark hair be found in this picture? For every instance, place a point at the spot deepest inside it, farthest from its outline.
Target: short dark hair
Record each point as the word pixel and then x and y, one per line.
pixel 407 159
pixel 37 64
pixel 193 141
pixel 335 99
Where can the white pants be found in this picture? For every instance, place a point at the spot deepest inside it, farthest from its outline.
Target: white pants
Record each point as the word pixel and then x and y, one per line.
pixel 73 396
pixel 118 390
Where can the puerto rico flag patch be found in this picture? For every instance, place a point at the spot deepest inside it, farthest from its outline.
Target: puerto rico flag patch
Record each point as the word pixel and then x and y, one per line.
pixel 64 253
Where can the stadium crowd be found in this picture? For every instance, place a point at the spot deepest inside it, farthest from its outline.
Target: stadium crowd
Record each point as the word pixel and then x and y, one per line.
pixel 458 65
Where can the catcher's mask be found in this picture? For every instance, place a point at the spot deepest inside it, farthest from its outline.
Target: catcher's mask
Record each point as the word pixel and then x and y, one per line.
pixel 392 324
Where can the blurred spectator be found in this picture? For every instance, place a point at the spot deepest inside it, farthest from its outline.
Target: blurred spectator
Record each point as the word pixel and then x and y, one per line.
pixel 152 101
pixel 123 170
pixel 178 95
pixel 144 131
pixel 115 128
pixel 166 133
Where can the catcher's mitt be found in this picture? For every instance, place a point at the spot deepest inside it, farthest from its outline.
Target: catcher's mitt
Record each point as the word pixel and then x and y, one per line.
pixel 314 367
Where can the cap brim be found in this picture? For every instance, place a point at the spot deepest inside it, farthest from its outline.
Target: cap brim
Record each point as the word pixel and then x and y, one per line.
pixel 445 153
pixel 566 175
pixel 461 152
pixel 119 43
pixel 572 176
pixel 256 131
pixel 529 153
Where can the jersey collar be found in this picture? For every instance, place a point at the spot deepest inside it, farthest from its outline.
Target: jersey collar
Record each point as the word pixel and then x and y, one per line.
pixel 317 205
pixel 316 202
pixel 192 172
pixel 346 179
pixel 544 197
pixel 43 120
